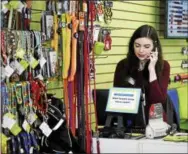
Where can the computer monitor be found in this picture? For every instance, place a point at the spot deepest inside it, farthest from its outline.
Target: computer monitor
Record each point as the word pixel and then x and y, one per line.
pixel 101 102
pixel 130 120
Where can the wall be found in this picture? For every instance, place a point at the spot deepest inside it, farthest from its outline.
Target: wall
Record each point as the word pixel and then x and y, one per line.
pixel 127 16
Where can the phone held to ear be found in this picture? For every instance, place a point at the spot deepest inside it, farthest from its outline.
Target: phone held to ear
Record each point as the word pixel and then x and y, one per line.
pixel 155 46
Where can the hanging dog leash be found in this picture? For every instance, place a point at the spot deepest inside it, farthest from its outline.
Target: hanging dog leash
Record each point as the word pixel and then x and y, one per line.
pixel 80 78
pixel 86 83
pixel 72 70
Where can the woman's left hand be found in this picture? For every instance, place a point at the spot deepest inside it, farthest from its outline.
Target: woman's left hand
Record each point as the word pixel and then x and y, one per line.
pixel 153 60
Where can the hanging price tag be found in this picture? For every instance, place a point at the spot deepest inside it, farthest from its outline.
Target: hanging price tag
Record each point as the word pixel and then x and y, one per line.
pixel 31 150
pixel 24 64
pixel 96 31
pixel 26 126
pixel 46 130
pixel 12 65
pixel 10 123
pixel 32 61
pixel 2 74
pixel 19 67
pixel 31 118
pixel 53 61
pixel 8 71
pixel 42 61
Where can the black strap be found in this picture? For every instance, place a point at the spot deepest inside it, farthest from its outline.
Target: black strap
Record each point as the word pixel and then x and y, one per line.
pixel 80 82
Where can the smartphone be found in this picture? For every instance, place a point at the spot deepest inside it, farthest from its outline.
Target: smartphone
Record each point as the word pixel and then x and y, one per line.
pixel 155 46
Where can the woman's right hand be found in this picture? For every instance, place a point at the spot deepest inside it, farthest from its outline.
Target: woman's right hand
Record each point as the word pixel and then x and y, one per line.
pixel 153 60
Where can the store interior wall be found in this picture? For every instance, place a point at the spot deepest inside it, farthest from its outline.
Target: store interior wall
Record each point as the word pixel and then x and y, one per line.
pixel 128 16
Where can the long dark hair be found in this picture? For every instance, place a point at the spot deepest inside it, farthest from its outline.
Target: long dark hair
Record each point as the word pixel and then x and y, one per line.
pixel 148 32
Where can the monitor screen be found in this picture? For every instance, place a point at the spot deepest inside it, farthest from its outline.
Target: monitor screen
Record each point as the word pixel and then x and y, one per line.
pixel 135 120
pixel 177 19
pixel 123 100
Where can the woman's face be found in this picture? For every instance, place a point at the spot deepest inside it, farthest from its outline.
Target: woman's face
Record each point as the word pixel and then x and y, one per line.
pixel 143 48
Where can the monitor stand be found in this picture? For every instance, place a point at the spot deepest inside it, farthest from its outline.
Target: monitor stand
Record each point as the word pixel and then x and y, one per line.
pixel 110 118
pixel 114 131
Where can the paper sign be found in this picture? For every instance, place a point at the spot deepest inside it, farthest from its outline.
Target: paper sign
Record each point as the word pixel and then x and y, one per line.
pixel 123 100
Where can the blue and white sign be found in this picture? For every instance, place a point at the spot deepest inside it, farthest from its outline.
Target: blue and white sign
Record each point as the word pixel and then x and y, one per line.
pixel 123 100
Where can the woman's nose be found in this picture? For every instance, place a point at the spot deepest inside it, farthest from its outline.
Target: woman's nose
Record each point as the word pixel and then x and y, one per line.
pixel 141 50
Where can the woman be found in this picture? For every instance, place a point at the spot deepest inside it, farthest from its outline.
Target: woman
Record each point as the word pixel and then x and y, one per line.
pixel 144 67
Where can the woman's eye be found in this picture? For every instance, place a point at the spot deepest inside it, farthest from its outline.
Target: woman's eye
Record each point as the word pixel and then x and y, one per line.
pixel 137 46
pixel 147 47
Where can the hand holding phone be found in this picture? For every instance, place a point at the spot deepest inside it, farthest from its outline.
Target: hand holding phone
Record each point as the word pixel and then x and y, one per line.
pixel 153 59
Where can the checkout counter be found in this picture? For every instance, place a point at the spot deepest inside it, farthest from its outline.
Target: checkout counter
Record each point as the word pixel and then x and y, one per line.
pixel 132 145
pixel 111 145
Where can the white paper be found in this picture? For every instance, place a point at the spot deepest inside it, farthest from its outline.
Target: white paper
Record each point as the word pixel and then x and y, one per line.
pixel 25 125
pixel 46 130
pixel 31 118
pixel 42 62
pixel 53 61
pixel 19 67
pixel 8 71
pixel 2 70
pixel 8 122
